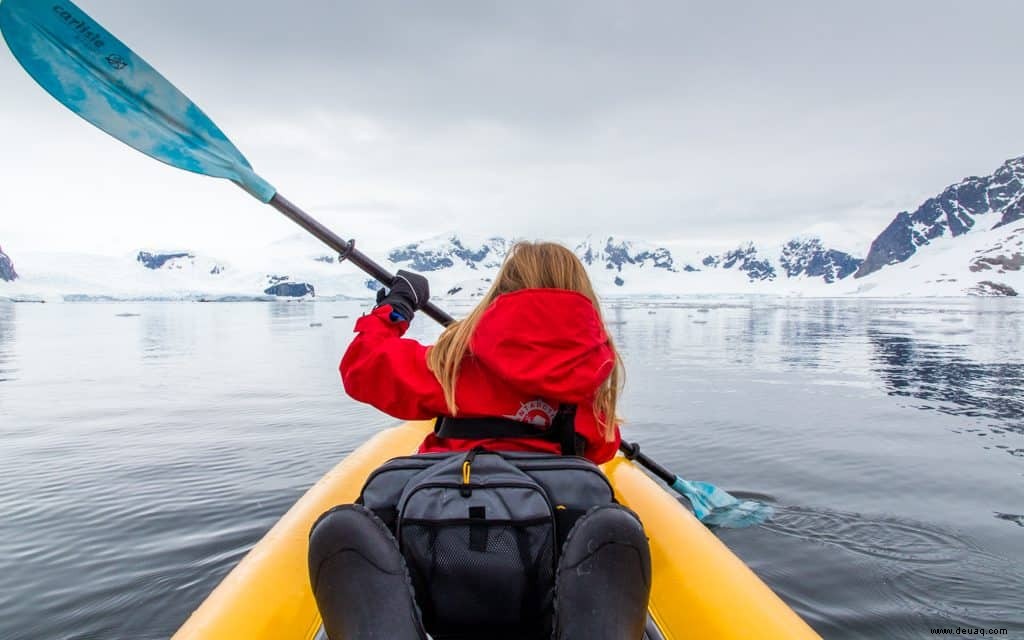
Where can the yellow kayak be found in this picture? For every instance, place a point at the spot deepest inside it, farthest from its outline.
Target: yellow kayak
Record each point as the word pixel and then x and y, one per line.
pixel 700 588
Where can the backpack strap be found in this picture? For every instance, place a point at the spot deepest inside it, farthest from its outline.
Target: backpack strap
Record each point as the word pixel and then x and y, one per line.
pixel 562 429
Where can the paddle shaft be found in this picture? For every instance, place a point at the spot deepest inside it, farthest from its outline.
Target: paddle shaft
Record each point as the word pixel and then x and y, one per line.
pixel 632 451
pixel 347 251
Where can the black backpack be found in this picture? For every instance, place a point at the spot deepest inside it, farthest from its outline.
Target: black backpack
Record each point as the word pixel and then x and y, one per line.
pixel 481 531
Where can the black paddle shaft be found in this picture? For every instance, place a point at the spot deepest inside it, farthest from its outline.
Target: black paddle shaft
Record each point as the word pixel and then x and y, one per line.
pixel 347 251
pixel 632 451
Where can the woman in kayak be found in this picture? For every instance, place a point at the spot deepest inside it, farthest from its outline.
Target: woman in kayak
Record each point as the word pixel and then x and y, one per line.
pixel 530 369
pixel 535 341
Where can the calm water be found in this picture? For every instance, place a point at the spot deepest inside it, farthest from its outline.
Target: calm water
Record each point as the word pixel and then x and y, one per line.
pixel 144 447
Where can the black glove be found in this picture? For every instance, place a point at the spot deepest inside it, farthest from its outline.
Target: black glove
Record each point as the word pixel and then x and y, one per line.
pixel 409 292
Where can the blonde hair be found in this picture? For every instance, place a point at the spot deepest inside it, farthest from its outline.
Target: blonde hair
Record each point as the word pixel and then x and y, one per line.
pixel 528 265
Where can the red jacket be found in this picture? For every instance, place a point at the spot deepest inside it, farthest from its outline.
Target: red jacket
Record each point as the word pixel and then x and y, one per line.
pixel 532 350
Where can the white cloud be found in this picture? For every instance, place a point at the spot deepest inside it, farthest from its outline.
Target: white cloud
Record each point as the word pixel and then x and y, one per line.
pixel 678 122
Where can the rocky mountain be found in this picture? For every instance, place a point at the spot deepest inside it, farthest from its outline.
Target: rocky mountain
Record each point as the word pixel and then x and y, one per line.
pixel 7 272
pixel 808 257
pixel 745 259
pixel 974 203
pixel 614 254
pixel 446 252
pixel 291 290
pixel 176 260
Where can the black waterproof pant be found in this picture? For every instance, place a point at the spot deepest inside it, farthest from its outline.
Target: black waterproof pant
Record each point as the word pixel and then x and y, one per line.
pixel 363 589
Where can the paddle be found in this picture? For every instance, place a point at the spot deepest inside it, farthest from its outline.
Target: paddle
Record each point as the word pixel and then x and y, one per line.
pixel 92 73
pixel 712 506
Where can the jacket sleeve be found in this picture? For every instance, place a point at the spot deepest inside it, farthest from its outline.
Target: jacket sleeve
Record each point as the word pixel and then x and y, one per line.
pixel 383 369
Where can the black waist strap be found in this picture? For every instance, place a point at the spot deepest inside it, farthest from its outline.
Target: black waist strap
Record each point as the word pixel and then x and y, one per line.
pixel 561 429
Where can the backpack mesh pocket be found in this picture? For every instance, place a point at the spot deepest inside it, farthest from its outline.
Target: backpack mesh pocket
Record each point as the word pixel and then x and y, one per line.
pixel 470 573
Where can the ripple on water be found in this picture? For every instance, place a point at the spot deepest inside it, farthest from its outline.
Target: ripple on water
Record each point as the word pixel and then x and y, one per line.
pixel 879 537
pixel 928 573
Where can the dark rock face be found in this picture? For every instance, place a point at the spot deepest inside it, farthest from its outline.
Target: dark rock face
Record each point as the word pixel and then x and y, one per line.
pixel 619 281
pixel 953 213
pixel 746 259
pixel 157 260
pixel 421 262
pixel 989 288
pixel 291 290
pixel 1013 212
pixel 616 254
pixel 810 258
pixel 1003 263
pixel 7 272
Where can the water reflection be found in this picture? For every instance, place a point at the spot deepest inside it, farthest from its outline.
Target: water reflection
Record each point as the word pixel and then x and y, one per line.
pixel 949 382
pixel 167 334
pixel 285 310
pixel 8 313
pixel 809 329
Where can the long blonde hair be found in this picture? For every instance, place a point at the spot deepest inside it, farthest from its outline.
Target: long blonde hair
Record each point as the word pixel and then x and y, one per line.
pixel 529 265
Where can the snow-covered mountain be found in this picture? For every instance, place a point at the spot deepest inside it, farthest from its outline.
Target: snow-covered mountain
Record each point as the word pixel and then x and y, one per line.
pixel 968 240
pixel 447 252
pixel 467 266
pixel 611 253
pixel 975 203
pixel 808 257
pixel 964 241
pixel 983 262
pixel 744 258
pixel 458 266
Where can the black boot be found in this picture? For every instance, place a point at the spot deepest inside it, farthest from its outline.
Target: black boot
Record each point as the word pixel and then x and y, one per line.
pixel 359 578
pixel 604 578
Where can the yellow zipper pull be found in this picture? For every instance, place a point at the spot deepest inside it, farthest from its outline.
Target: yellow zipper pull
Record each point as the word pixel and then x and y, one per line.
pixel 467 466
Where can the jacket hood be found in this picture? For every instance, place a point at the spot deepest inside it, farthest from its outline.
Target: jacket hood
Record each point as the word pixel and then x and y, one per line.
pixel 548 343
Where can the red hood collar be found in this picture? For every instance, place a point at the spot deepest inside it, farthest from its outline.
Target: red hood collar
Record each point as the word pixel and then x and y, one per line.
pixel 548 343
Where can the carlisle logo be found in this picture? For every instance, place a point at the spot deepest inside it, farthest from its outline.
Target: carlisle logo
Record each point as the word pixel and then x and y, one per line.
pixel 535 412
pixel 85 31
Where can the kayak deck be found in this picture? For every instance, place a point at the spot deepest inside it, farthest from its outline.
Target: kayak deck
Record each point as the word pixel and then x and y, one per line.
pixel 699 586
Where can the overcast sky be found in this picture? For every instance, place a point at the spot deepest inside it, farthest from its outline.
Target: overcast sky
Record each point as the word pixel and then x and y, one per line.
pixel 696 123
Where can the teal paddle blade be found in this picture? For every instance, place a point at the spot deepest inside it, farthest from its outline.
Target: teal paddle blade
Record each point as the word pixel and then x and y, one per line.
pixel 95 75
pixel 716 507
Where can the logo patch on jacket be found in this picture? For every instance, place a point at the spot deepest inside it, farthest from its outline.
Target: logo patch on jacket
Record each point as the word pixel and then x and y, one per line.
pixel 535 412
